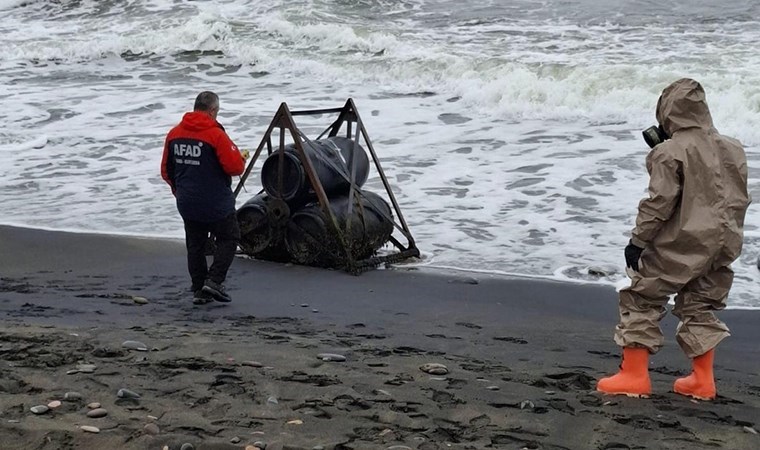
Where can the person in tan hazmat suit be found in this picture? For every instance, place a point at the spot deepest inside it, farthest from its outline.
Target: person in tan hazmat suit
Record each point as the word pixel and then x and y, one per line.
pixel 688 231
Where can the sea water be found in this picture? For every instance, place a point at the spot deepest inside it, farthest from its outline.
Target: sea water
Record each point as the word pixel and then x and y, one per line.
pixel 510 130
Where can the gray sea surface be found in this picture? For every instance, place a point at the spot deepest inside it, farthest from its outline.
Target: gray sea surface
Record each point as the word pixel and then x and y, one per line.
pixel 510 130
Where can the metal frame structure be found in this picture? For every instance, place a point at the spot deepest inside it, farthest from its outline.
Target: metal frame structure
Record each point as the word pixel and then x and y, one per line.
pixel 348 114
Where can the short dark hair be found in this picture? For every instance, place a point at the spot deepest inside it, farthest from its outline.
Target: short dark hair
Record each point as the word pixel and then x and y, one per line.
pixel 206 101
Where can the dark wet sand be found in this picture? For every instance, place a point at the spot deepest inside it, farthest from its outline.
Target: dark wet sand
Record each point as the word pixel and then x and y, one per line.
pixel 523 357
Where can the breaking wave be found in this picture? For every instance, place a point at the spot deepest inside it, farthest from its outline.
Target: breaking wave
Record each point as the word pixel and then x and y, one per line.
pixel 526 70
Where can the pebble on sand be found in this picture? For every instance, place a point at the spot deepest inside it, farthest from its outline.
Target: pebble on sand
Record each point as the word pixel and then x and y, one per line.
pixel 140 300
pixel 39 409
pixel 90 429
pixel 151 429
pixel 97 413
pixel 94 405
pixel 331 357
pixel 187 446
pixel 135 345
pixel 527 404
pixel 295 422
pixel 72 396
pixel 434 369
pixel 54 404
pixel 235 440
pixel 126 393
pixel 86 368
pixel 750 430
pixel 251 364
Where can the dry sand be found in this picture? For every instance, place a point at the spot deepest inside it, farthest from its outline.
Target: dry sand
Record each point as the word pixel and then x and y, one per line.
pixel 522 359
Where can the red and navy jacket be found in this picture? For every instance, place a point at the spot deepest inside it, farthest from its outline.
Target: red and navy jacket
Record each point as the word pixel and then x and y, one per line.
pixel 198 163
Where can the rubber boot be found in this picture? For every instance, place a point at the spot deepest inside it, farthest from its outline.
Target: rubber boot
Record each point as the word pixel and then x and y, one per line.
pixel 701 383
pixel 633 378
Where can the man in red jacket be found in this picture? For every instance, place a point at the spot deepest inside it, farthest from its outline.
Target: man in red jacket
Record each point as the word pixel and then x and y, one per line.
pixel 198 163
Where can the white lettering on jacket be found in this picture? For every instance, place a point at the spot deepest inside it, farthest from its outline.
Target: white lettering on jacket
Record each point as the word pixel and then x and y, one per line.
pixel 188 150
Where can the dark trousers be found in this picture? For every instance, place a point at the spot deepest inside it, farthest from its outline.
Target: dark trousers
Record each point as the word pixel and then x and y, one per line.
pixel 227 235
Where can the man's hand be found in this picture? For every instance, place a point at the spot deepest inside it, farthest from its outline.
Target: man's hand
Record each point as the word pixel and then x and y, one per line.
pixel 245 154
pixel 632 255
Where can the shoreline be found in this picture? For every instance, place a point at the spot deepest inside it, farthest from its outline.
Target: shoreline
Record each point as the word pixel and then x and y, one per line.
pixel 522 358
pixel 430 266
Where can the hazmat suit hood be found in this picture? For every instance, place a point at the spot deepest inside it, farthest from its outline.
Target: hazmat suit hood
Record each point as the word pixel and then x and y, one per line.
pixel 682 105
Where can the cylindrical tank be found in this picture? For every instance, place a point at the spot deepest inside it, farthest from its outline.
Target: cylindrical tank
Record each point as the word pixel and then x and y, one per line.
pixel 262 223
pixel 332 158
pixel 310 240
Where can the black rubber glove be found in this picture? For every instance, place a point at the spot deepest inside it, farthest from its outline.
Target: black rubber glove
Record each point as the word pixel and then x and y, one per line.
pixel 632 255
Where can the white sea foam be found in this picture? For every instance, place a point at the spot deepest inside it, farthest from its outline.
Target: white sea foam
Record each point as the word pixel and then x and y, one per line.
pixel 10 4
pixel 553 71
pixel 512 144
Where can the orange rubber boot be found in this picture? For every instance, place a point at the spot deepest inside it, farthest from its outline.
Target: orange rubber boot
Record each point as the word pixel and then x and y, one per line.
pixel 633 378
pixel 701 383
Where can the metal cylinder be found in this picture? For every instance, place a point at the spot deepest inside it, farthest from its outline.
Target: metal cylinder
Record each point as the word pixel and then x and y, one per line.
pixel 333 159
pixel 310 240
pixel 262 223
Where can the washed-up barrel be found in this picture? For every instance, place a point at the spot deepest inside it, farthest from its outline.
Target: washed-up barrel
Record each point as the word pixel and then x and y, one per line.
pixel 262 223
pixel 310 239
pixel 332 158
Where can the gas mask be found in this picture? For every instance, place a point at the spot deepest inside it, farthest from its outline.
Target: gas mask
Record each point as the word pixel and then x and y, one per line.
pixel 655 135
